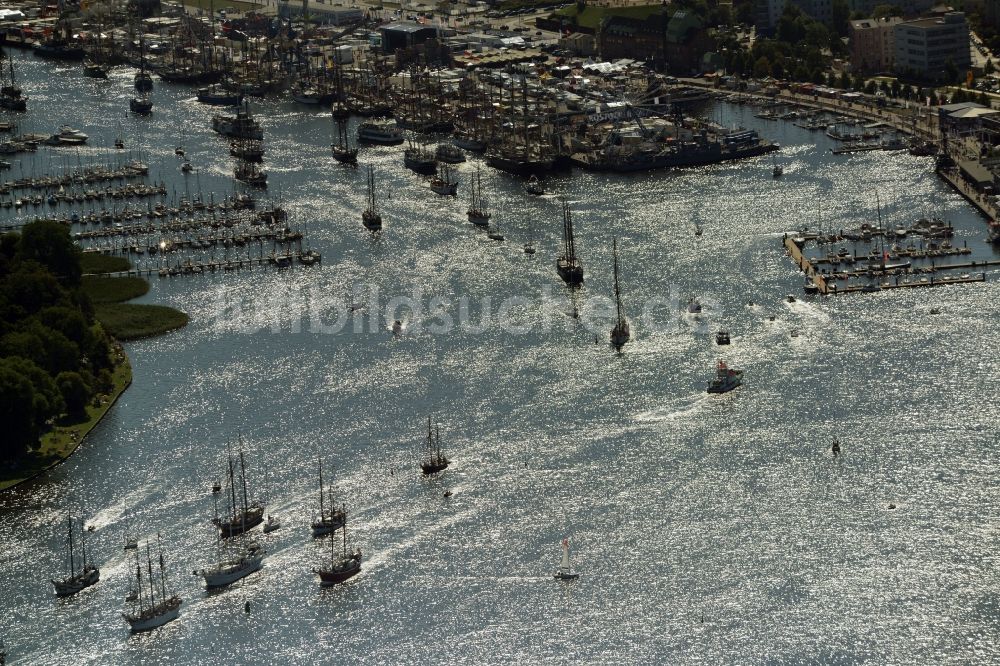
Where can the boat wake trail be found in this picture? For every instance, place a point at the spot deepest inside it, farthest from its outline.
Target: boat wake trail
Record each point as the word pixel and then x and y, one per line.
pixel 680 409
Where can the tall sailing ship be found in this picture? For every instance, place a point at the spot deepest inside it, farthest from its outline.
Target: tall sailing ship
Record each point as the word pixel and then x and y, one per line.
pixel 249 558
pixel 343 564
pixel 11 96
pixel 434 461
pixel 477 212
pixel 620 334
pixel 331 518
pixel 77 580
pixel 152 607
pixel 243 513
pixel 342 151
pixel 568 265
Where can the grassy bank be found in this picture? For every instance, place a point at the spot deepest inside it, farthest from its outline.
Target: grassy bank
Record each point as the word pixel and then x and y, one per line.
pixel 130 321
pixel 64 438
pixel 93 262
pixel 126 321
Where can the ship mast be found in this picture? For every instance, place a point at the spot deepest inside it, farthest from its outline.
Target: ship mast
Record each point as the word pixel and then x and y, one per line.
pixel 163 571
pixel 72 560
pixel 570 245
pixel 149 567
pixel 322 509
pixel 232 485
pixel 618 295
pixel 243 479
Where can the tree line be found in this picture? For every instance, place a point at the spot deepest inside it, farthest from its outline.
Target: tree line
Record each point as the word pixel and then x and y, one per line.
pixel 54 357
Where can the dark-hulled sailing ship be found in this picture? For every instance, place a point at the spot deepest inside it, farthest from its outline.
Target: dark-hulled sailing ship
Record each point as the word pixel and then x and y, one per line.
pixel 434 461
pixel 568 265
pixel 244 514
pixel 78 579
pixel 620 334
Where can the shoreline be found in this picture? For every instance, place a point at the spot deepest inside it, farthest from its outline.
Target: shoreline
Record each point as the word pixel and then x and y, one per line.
pixel 77 433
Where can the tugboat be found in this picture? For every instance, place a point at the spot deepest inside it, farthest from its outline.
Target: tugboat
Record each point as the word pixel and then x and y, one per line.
pixel 620 334
pixel 329 520
pixel 343 565
pixel 77 580
pixel 568 265
pixel 726 379
pixel 477 212
pixel 564 572
pixel 445 183
pixel 435 460
pixel 722 338
pixel 149 612
pixel 370 217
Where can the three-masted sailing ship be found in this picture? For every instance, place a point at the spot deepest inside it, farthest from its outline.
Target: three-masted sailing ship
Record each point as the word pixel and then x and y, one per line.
pixel 620 334
pixel 568 265
pixel 77 580
pixel 477 212
pixel 331 518
pixel 370 217
pixel 248 559
pixel 434 461
pixel 243 514
pixel 152 610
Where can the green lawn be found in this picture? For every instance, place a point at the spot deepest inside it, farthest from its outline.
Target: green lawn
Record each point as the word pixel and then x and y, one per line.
pixel 113 290
pixel 129 321
pixel 57 444
pixel 93 262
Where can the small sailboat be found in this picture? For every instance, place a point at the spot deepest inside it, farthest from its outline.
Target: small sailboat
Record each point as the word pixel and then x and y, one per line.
pixel 620 334
pixel 150 612
pixel 477 212
pixel 272 524
pixel 494 232
pixel 529 246
pixel 565 572
pixel 694 305
pixel 77 580
pixel 343 565
pixel 370 217
pixel 776 170
pixel 330 518
pixel 568 265
pixel 434 461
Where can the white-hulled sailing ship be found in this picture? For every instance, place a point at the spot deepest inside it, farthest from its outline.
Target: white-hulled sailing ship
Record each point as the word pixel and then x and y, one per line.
pixel 568 265
pixel 434 461
pixel 620 334
pixel 477 212
pixel 331 518
pixel 87 575
pixel 244 514
pixel 248 559
pixel 371 217
pixel 153 608
pixel 445 183
pixel 343 564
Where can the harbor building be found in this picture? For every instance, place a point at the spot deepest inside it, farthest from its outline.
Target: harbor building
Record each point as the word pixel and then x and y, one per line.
pixel 873 49
pixel 910 8
pixel 402 35
pixel 926 46
pixel 674 43
pixel 767 12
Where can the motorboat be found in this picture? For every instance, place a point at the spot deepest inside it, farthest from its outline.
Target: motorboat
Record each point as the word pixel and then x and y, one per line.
pixel 726 379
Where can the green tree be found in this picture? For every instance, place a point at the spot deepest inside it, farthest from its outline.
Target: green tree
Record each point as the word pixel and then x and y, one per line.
pixel 49 244
pixel 886 11
pixel 870 87
pixel 984 99
pixel 75 393
pixel 762 67
pixel 841 17
pixel 48 400
pixel 988 68
pixel 845 80
pixel 17 413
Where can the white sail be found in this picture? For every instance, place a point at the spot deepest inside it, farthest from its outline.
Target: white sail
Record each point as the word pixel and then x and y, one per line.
pixel 565 558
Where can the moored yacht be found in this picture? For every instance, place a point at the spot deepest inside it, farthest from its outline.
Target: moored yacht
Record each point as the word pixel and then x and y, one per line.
pixel 384 132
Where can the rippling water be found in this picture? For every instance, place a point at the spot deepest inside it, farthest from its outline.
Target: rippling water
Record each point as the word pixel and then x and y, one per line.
pixel 707 529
